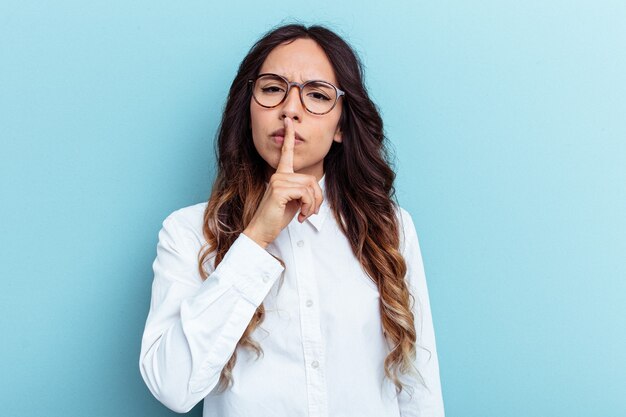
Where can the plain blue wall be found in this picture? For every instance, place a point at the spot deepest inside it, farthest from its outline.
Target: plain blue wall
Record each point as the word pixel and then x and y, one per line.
pixel 508 120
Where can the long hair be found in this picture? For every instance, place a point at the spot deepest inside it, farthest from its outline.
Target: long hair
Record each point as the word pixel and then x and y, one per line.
pixel 359 190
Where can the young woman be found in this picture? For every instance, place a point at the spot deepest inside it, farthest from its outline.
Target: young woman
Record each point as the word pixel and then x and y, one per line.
pixel 264 313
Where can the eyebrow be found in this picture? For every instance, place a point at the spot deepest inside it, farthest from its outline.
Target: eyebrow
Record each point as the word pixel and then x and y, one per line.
pixel 290 79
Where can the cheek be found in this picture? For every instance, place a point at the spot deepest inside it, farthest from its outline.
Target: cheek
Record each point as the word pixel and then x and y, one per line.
pixel 326 133
pixel 256 125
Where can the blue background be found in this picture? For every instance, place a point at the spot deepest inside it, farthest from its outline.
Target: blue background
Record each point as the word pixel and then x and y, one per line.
pixel 508 121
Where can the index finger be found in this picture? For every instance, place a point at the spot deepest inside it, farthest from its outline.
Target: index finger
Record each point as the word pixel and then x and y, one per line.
pixel 285 164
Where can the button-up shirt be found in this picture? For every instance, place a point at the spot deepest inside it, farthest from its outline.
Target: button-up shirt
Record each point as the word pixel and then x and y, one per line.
pixel 322 337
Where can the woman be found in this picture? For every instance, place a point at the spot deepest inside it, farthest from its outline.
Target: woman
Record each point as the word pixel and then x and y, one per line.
pixel 261 313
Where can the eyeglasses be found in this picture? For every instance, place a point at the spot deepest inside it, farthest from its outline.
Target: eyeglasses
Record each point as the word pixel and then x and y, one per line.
pixel 317 96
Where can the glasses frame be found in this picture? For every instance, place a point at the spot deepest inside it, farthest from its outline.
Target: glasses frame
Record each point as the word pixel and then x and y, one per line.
pixel 339 92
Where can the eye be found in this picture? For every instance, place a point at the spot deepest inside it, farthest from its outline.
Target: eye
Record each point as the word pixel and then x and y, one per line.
pixel 319 91
pixel 318 96
pixel 272 89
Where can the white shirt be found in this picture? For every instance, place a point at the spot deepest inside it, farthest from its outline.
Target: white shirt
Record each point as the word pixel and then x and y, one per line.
pixel 321 337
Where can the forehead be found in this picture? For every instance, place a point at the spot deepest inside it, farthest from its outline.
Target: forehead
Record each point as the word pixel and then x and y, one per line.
pixel 300 60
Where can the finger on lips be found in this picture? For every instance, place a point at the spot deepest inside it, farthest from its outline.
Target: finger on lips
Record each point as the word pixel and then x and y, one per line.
pixel 285 164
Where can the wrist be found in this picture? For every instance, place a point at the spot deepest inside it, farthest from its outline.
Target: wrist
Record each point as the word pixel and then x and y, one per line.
pixel 250 233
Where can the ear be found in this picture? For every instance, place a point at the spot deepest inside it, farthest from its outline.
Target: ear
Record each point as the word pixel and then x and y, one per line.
pixel 338 136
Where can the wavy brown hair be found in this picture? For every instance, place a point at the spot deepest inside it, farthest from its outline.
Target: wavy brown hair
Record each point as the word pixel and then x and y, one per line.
pixel 359 190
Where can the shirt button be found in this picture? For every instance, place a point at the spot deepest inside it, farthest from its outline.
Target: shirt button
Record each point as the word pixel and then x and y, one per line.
pixel 315 364
pixel 300 243
pixel 265 278
pixel 309 303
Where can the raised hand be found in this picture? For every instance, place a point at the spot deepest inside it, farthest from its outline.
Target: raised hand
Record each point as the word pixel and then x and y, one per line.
pixel 286 192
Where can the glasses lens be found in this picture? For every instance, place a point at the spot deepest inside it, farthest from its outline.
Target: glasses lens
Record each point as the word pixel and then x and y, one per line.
pixel 269 90
pixel 319 96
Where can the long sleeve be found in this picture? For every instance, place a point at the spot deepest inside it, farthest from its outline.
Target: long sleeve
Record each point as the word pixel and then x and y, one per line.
pixel 193 326
pixel 426 401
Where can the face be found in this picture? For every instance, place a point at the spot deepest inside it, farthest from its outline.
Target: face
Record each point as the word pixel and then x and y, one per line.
pixel 300 61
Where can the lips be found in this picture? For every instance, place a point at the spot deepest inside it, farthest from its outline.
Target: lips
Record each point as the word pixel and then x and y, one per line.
pixel 280 139
pixel 281 133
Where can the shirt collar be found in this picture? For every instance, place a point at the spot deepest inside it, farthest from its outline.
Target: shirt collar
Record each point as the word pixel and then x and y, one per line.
pixel 317 220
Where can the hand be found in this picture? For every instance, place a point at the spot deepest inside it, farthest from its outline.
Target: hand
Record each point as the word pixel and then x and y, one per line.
pixel 285 194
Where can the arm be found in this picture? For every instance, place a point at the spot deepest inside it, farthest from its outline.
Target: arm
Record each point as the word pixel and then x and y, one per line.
pixel 426 401
pixel 193 326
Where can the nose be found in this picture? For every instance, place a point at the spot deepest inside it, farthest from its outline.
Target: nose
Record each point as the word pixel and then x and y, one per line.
pixel 292 106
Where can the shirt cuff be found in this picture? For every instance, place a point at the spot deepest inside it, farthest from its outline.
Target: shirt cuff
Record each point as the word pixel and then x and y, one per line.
pixel 249 268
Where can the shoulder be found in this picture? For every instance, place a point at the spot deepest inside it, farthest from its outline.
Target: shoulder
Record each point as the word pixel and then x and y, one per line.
pixel 186 224
pixel 406 227
pixel 403 215
pixel 190 215
pixel 411 251
pixel 179 242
